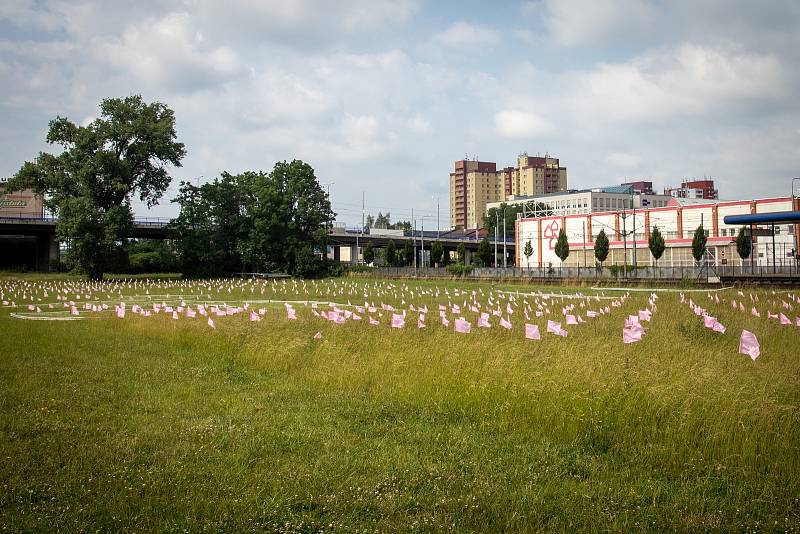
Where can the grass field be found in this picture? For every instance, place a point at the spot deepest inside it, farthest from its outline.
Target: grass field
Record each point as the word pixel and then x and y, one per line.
pixel 152 423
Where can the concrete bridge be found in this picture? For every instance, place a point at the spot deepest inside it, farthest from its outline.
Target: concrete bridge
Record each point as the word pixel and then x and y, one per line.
pixel 31 241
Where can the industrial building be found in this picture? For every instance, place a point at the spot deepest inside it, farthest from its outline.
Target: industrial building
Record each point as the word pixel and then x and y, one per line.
pixel 628 232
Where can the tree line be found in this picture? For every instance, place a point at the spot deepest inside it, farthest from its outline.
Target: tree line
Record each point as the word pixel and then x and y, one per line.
pixel 254 221
pixel 655 244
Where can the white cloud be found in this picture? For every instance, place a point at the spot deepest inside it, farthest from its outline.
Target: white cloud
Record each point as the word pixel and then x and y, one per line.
pixel 623 160
pixel 515 123
pixel 170 52
pixel 462 34
pixel 689 80
pixel 577 22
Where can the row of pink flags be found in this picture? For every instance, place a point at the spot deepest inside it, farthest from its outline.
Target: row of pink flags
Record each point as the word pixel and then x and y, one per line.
pixel 748 343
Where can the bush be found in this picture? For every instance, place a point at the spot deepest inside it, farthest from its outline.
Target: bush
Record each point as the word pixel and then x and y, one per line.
pixel 459 269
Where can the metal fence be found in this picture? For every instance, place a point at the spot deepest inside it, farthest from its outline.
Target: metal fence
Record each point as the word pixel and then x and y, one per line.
pixel 690 273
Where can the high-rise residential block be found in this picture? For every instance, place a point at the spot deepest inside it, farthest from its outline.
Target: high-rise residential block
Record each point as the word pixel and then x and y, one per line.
pixel 473 184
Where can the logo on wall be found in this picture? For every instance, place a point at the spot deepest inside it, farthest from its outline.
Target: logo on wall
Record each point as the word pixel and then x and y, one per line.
pixel 551 233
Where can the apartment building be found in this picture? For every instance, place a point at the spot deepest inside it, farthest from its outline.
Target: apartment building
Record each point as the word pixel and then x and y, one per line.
pixel 474 184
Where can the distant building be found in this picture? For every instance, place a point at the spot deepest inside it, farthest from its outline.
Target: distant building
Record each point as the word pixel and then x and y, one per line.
pixel 578 202
pixel 646 188
pixel 20 203
pixel 694 189
pixel 677 222
pixel 474 184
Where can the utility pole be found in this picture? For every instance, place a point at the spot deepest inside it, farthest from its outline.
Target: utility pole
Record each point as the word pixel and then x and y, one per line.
pixel 584 244
pixel 505 252
pixel 624 247
pixel 496 213
pixel 634 230
pixel 438 225
pixel 422 243
pixel 414 239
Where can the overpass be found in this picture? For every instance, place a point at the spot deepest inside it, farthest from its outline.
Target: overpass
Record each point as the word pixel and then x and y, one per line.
pixel 38 234
pixel 21 236
pixel 341 237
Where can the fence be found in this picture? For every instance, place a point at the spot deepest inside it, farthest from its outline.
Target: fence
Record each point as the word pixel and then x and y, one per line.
pixel 689 273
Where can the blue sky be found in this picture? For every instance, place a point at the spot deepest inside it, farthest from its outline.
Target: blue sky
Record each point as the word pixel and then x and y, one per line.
pixel 382 96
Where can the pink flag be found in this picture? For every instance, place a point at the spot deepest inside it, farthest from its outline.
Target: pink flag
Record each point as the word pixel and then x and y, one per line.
pixel 318 335
pixel 421 321
pixel 754 312
pixel 645 315
pixel 398 321
pixel 784 319
pixel 632 333
pixel 291 314
pixel 254 316
pixel 748 344
pixel 571 319
pixel 121 312
pixel 211 323
pixel 709 321
pixel 372 321
pixel 532 332
pixel 175 315
pixel 505 324
pixel 445 321
pixel 462 326
pixel 483 321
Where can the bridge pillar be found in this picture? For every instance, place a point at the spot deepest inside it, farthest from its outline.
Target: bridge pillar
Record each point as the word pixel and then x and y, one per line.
pixel 46 251
pixel 354 254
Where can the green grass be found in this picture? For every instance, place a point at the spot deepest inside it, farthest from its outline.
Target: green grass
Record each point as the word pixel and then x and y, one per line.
pixel 152 424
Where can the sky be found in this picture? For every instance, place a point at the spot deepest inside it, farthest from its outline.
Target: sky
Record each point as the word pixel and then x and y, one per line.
pixel 381 97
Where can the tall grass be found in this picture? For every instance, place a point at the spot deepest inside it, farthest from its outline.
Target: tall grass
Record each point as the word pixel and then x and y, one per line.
pixel 154 424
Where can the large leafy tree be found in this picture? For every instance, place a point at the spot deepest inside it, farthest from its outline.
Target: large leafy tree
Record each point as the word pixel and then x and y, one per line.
pixel 103 166
pixel 699 243
pixel 562 246
pixel 656 244
pixel 601 247
pixel 276 222
pixel 211 226
pixel 289 216
pixel 743 244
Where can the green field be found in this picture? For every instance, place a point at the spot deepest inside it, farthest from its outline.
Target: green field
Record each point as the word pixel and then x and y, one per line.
pixel 152 423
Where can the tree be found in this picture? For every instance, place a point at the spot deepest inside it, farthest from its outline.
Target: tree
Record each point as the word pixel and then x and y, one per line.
pixel 699 243
pixel 494 217
pixel 89 186
pixel 656 244
pixel 369 223
pixel 408 253
pixel 484 254
pixel 461 251
pixel 369 254
pixel 528 251
pixel 276 222
pixel 437 251
pixel 601 247
pixel 562 246
pixel 390 253
pixel 743 244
